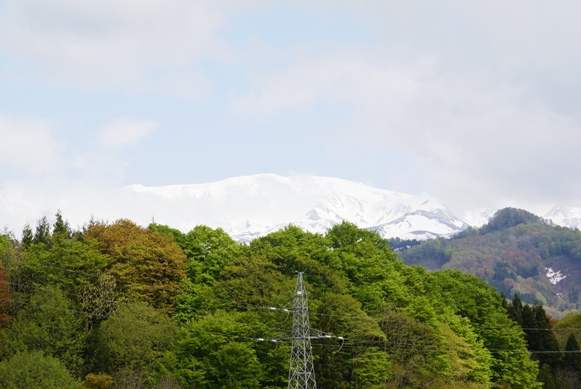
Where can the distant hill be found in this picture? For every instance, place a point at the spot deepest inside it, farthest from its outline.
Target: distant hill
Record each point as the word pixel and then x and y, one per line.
pixel 516 252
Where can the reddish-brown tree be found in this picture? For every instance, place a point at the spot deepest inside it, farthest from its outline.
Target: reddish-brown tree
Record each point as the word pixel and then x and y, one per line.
pixel 146 264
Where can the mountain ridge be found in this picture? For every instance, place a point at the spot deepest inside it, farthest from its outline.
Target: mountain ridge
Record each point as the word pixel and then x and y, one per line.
pixel 250 206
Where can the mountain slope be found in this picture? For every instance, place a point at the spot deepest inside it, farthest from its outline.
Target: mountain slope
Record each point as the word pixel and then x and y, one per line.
pixel 516 252
pixel 251 206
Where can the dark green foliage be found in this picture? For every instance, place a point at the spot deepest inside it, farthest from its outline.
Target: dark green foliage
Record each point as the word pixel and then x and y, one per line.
pixel 515 309
pixel 61 227
pixel 539 335
pixel 509 217
pixel 4 312
pixel 557 370
pixel 34 370
pixel 27 236
pixel 431 254
pixel 42 232
pixel 398 244
pixel 572 358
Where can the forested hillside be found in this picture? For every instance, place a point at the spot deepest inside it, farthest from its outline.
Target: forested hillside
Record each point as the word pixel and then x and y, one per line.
pixel 122 306
pixel 516 252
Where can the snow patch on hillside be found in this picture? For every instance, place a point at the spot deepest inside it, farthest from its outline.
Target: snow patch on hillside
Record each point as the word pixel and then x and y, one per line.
pixel 554 276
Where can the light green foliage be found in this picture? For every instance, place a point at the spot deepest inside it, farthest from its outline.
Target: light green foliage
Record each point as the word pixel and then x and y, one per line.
pixel 60 259
pixel 471 360
pixel 372 269
pixel 417 351
pixel 134 337
pixel 34 370
pixel 209 251
pixel 68 263
pixel 570 324
pixel 49 323
pixel 404 327
pixel 371 369
pixel 216 352
pixel 471 298
pixel 341 315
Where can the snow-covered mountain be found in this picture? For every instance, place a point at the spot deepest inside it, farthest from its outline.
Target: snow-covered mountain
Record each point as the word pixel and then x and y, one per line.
pixel 251 206
pixel 565 216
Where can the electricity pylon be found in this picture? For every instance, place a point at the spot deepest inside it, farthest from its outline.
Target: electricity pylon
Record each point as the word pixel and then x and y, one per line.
pixel 301 373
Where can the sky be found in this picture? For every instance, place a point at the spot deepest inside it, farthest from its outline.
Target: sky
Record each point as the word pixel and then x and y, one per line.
pixel 476 103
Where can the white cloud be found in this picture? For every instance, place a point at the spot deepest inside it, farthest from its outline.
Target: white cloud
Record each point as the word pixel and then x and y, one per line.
pixel 126 131
pixel 111 44
pixel 28 145
pixel 482 95
pixel 482 139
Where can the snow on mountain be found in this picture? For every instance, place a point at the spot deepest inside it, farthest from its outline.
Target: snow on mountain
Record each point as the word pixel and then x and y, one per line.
pixel 477 218
pixel 565 216
pixel 251 206
pixel 421 224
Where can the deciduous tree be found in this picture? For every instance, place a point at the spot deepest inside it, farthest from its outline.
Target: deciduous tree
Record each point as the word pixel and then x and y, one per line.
pixel 146 264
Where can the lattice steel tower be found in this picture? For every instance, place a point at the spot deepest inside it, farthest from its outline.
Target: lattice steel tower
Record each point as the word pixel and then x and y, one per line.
pixel 301 374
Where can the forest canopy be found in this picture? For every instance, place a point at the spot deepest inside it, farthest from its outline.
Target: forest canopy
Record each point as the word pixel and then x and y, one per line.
pixel 119 305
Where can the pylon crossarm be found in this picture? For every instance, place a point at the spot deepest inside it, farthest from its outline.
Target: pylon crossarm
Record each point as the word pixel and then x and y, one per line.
pixel 302 366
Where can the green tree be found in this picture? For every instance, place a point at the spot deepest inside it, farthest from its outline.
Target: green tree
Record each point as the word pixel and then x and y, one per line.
pixel 50 323
pixel 61 227
pixel 12 258
pixel 539 335
pixel 570 324
pixel 211 353
pixel 371 369
pixel 4 312
pixel 133 338
pixel 470 297
pixel 208 251
pixel 42 231
pixel 27 235
pixel 33 369
pixel 67 263
pixel 4 302
pixel 572 359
